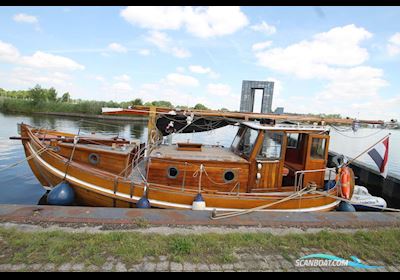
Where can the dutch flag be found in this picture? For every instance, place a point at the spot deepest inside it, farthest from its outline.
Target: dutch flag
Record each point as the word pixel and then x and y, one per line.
pixel 380 153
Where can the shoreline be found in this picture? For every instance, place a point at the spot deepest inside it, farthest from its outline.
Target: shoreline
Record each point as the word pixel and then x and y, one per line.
pixel 101 117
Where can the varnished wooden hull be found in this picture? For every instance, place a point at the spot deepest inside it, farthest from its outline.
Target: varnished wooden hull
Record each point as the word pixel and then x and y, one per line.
pixel 95 188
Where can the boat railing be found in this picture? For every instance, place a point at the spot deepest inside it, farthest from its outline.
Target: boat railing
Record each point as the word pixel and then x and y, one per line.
pixel 299 176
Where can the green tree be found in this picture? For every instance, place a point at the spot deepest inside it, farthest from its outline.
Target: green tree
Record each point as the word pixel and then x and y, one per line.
pixel 51 94
pixel 200 106
pixel 37 95
pixel 137 101
pixel 66 97
pixel 160 103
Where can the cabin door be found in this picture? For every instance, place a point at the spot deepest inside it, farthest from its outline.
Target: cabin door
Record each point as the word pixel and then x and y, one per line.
pixel 316 158
pixel 268 162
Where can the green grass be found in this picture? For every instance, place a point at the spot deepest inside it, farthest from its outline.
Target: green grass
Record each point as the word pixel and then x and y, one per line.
pixel 128 247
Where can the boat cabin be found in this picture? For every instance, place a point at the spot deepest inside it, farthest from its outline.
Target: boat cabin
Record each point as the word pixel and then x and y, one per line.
pixel 262 158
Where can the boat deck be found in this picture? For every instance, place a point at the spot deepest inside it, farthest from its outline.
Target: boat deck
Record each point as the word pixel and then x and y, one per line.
pixel 207 153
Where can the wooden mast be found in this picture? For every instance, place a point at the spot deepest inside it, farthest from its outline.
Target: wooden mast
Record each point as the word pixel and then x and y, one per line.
pixel 144 110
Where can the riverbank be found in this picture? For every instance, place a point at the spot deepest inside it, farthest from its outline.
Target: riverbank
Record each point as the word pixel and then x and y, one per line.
pixel 82 109
pixel 98 117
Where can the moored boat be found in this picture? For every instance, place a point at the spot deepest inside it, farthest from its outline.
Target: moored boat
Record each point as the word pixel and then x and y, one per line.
pixel 362 200
pixel 270 167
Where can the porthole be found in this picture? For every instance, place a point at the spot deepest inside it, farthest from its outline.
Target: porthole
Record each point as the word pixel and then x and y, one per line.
pixel 229 175
pixel 94 158
pixel 172 172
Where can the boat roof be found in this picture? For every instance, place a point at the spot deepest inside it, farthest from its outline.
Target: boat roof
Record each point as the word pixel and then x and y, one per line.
pixel 286 127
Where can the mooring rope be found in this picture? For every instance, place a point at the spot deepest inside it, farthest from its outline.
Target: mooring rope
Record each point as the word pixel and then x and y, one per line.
pixel 76 140
pixel 40 151
pixel 258 208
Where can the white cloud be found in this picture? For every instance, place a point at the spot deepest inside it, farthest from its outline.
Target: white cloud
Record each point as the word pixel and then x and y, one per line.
pixel 24 18
pixel 150 86
pixel 310 59
pixel 335 56
pixel 165 44
pixel 393 46
pixel 264 28
pixel 379 108
pixel 28 77
pixel 123 78
pixel 8 52
pixel 121 87
pixel 99 78
pixel 222 90
pixel 180 52
pixel 49 61
pixel 144 52
pixel 261 46
pixel 154 17
pixel 395 39
pixel 39 59
pixel 202 22
pixel 220 95
pixel 115 47
pixel 159 39
pixel 177 79
pixel 199 69
pixel 214 21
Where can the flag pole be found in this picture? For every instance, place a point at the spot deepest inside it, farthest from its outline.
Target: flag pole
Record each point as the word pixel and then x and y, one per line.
pixel 369 148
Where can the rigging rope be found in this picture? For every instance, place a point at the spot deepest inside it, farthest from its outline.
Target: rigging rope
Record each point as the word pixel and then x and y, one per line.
pixel 356 137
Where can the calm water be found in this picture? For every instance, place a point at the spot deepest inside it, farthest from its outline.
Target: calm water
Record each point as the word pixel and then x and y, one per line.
pixel 19 186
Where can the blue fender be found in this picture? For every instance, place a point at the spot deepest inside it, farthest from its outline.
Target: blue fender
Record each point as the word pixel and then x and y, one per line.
pixel 62 194
pixel 345 207
pixel 143 203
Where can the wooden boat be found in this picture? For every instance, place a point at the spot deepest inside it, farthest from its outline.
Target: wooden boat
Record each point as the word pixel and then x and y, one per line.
pixel 268 164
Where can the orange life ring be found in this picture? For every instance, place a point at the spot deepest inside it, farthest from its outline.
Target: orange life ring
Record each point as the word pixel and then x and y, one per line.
pixel 346 182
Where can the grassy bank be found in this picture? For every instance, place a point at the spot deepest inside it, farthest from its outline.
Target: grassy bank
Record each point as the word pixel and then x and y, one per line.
pixel 129 247
pixel 12 105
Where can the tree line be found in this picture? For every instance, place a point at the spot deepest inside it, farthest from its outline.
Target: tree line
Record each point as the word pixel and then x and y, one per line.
pixel 39 99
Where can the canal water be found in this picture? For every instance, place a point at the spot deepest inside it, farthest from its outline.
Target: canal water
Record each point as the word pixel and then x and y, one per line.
pixel 18 185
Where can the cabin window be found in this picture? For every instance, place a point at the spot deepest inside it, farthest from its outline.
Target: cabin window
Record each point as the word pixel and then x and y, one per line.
pixel 272 146
pixel 236 140
pixel 94 158
pixel 172 172
pixel 318 148
pixel 229 176
pixel 247 142
pixel 293 140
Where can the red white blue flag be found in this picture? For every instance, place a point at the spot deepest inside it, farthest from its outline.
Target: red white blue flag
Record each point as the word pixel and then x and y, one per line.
pixel 380 154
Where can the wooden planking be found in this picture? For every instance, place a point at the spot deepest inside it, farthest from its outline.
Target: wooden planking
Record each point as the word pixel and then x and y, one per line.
pixel 158 174
pixel 109 161
pixel 269 175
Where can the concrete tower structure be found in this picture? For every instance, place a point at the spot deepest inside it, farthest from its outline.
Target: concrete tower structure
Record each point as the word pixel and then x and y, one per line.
pixel 248 92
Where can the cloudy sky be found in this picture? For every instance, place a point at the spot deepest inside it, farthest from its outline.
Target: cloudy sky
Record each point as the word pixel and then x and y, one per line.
pixel 342 60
